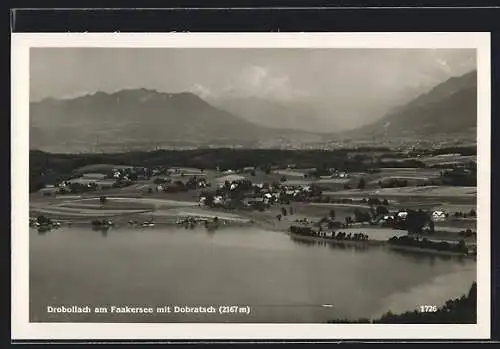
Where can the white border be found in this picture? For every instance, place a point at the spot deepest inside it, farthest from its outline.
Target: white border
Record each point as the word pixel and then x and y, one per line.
pixel 23 330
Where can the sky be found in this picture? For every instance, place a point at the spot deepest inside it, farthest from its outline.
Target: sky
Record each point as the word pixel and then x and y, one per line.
pixel 359 84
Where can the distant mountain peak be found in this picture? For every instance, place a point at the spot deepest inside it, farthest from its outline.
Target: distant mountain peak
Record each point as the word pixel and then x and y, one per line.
pixel 138 117
pixel 449 107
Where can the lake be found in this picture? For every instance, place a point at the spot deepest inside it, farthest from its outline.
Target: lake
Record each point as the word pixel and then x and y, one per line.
pixel 280 279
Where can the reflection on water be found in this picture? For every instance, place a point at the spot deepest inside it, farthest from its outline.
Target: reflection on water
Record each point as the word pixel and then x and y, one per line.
pixel 332 244
pixel 283 279
pixel 430 258
pixel 102 229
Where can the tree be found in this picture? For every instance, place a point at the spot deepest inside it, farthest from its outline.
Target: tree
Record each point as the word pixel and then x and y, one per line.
pixel 348 220
pixel 372 211
pixel 431 227
pixel 416 220
pixel 43 220
pixel 332 213
pixel 461 246
pixel 381 210
pixel 209 200
pixel 356 214
pixel 361 183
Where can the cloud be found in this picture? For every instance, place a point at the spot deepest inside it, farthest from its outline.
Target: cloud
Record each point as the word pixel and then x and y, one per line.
pixel 259 81
pixel 202 91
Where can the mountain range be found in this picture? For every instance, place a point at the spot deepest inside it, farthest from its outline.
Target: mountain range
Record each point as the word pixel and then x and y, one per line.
pixel 142 118
pixel 450 107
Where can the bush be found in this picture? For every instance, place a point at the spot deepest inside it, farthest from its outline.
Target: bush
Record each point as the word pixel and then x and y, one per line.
pixel 361 183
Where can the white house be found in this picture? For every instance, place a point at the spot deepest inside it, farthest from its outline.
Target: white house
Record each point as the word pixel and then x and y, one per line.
pixel 438 215
pixel 403 215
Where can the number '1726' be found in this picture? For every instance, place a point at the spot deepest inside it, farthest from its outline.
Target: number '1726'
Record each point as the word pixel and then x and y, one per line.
pixel 428 308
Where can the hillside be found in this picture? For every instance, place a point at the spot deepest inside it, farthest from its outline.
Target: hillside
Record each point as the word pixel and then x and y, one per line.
pixel 450 107
pixel 138 119
pixel 293 115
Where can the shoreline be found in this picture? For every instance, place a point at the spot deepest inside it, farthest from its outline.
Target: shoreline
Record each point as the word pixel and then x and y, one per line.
pixel 350 242
pixel 382 243
pixel 225 220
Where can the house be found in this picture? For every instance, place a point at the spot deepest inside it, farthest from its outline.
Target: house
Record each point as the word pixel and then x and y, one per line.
pixel 218 200
pixel 402 215
pixel 386 219
pixel 438 215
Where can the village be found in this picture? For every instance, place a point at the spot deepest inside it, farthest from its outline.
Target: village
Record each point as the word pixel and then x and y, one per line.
pixel 313 202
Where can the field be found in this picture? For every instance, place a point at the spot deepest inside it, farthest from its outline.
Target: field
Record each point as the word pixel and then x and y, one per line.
pixel 138 202
pixel 421 192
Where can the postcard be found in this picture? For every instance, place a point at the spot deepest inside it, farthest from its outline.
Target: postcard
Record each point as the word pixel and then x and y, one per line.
pixel 293 186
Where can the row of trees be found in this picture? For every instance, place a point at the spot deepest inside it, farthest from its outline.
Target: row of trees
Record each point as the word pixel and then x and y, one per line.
pixel 464 176
pixel 393 183
pixel 424 243
pixel 471 213
pixel 339 236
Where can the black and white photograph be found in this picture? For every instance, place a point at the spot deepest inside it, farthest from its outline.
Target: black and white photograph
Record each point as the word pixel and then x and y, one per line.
pixel 230 183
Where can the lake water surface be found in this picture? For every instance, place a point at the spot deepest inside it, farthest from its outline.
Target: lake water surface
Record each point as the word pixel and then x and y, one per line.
pixel 281 279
